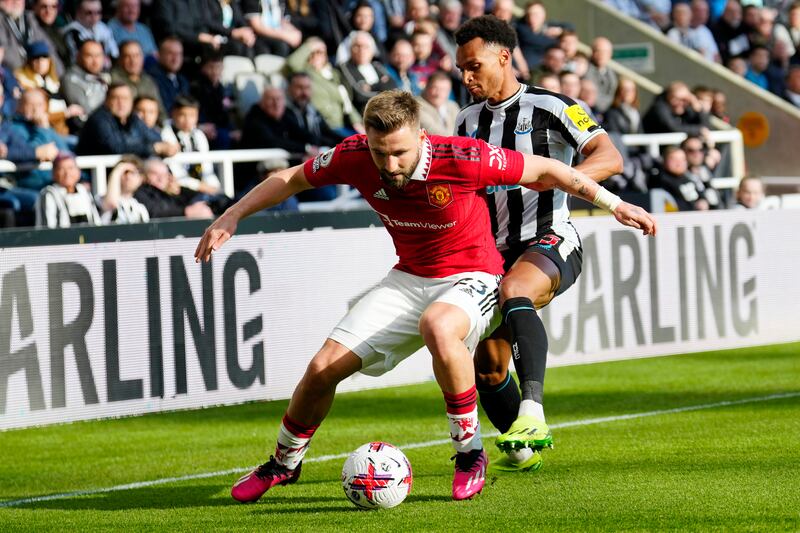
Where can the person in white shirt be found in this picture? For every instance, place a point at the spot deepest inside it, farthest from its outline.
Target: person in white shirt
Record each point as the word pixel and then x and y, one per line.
pixel 182 129
pixel 66 202
pixel 119 205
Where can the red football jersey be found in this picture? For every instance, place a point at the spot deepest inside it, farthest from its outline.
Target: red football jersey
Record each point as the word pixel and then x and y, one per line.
pixel 439 221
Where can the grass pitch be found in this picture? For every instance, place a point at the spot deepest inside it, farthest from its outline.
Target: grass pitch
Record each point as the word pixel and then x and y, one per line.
pixel 733 463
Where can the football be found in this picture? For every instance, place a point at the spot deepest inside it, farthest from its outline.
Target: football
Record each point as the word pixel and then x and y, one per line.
pixel 377 475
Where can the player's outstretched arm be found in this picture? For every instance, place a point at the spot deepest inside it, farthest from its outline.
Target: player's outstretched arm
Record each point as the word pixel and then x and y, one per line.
pixel 272 191
pixel 541 172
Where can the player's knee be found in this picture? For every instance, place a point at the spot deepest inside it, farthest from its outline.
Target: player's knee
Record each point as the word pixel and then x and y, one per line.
pixel 490 378
pixel 518 288
pixel 441 325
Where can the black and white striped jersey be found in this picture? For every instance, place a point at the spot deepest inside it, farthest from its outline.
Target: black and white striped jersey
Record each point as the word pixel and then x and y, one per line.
pixel 532 121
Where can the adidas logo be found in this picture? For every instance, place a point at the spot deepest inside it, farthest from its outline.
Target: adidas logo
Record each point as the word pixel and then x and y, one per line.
pixel 381 195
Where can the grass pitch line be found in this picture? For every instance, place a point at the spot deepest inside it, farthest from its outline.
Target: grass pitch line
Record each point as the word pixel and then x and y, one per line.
pixel 426 444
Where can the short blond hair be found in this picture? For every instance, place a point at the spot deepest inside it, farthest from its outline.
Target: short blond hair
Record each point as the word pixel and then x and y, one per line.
pixel 391 110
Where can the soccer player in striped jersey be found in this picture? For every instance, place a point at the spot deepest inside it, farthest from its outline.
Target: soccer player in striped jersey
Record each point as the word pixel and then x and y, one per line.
pixel 541 248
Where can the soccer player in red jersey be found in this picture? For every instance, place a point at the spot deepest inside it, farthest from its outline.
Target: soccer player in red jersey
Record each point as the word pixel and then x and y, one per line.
pixel 429 192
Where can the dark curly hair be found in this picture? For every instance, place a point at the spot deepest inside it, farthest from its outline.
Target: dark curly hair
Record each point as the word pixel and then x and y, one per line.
pixel 489 28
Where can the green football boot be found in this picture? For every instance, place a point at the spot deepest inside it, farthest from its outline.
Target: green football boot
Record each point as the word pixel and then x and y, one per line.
pixel 507 464
pixel 526 432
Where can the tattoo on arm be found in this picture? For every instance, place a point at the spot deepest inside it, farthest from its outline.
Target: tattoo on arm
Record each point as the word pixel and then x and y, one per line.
pixel 576 181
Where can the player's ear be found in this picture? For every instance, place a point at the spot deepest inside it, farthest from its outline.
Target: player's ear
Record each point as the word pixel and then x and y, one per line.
pixel 505 56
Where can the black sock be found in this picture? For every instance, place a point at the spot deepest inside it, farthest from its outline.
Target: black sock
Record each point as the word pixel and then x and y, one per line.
pixel 501 402
pixel 528 346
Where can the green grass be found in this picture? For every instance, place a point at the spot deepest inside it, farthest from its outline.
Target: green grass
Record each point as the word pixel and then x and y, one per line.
pixel 734 467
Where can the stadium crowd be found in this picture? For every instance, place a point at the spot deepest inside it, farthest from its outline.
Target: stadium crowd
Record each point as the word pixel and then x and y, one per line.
pixel 149 79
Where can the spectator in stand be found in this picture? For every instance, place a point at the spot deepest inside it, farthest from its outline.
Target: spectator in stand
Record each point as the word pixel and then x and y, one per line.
pixel 534 34
pixel 703 37
pixel 770 33
pixel 623 116
pixel 265 126
pixel 309 16
pixel 793 25
pixel 185 22
pixel 304 120
pixel 163 196
pixel 14 148
pixel 47 12
pixel 750 194
pixel 11 87
pixel 552 63
pixel 85 84
pixel 119 204
pixel 570 85
pixel 551 82
pixel 504 10
pixel 125 26
pixel 33 126
pixel 232 34
pixel 760 72
pixel 737 65
pixel 657 11
pixel 216 103
pixel 473 8
pixel 601 74
pixel 701 162
pixel 568 41
pixel 730 32
pixel 416 12
pixel 19 29
pixel 115 129
pixel 792 92
pixel 590 95
pixel 437 112
pixel 362 19
pixel 274 33
pixel 167 72
pixel 681 31
pixel 676 109
pixel 129 69
pixel 365 76
pixel 705 96
pixel 182 129
pixel 330 97
pixel 147 109
pixel 449 19
pixel 719 107
pixel 66 202
pixel 40 73
pixel 89 25
pixel 673 178
pixel 401 58
pixel 425 63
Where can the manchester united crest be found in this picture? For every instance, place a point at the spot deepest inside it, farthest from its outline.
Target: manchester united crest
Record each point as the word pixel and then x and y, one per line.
pixel 440 195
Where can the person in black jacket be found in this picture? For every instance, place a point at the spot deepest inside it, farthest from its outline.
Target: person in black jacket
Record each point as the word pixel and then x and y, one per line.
pixel 167 72
pixel 677 109
pixel 164 197
pixel 690 194
pixel 216 102
pixel 303 119
pixel 365 76
pixel 115 129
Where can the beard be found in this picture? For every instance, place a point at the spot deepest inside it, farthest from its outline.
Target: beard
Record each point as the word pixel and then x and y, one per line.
pixel 398 180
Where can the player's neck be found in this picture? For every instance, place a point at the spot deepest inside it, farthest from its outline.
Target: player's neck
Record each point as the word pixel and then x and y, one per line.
pixel 508 89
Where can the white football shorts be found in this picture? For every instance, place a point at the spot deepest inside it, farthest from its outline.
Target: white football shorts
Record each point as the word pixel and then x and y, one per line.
pixel 382 328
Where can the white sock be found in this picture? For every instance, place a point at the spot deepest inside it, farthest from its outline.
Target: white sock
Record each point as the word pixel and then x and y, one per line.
pixel 293 441
pixel 531 408
pixel 519 456
pixel 465 431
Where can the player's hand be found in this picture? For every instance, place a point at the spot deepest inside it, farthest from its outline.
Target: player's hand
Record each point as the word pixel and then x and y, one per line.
pixel 215 236
pixel 635 217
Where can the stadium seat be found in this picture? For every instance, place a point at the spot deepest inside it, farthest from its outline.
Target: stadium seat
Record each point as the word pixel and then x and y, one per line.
pixel 248 87
pixel 234 65
pixel 271 66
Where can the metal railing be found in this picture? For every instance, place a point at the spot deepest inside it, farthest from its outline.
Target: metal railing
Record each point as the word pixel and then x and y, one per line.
pixel 349 199
pixel 654 142
pixel 224 159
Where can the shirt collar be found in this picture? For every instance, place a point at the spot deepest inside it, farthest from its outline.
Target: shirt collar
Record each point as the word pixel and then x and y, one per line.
pixel 425 159
pixel 510 100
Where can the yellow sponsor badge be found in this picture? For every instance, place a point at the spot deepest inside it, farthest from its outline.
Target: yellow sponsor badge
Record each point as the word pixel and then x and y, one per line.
pixel 580 117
